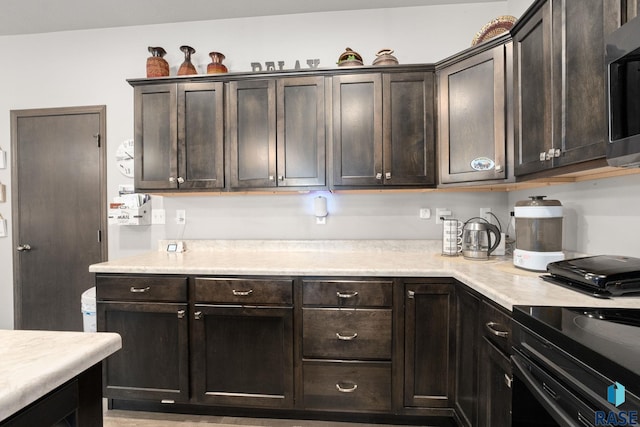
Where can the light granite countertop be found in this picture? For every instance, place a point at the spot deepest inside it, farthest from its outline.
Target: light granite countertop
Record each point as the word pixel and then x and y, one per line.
pixel 33 363
pixel 496 278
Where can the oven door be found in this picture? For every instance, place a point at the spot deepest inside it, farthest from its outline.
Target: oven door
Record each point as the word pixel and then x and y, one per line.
pixel 540 399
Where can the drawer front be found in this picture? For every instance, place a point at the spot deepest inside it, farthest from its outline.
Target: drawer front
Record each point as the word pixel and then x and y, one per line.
pixel 346 334
pixel 141 288
pixel 243 291
pixel 496 326
pixel 347 293
pixel 347 386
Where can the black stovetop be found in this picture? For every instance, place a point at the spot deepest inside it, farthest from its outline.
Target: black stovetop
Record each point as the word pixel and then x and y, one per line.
pixel 607 339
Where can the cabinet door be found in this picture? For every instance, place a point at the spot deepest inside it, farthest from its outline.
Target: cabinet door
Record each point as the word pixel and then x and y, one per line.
pixel 532 44
pixel 494 391
pixel 409 129
pixel 153 361
pixel 579 116
pixel 243 356
pixel 252 133
pixel 201 135
pixel 429 345
pixel 472 113
pixel 301 132
pixel 468 336
pixel 357 125
pixel 155 137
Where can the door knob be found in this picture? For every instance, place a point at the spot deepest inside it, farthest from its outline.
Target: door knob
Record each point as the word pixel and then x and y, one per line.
pixel 24 248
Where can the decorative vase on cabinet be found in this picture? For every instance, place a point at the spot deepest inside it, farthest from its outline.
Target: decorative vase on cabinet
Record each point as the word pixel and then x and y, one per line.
pixel 216 66
pixel 157 66
pixel 187 68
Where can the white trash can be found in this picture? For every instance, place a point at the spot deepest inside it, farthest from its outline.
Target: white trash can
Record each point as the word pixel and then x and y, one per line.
pixel 88 304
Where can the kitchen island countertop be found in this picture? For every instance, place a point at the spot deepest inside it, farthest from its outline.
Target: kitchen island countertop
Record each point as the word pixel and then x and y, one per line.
pixel 495 278
pixel 33 363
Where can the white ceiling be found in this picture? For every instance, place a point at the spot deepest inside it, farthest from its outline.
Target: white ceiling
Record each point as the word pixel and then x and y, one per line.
pixel 43 16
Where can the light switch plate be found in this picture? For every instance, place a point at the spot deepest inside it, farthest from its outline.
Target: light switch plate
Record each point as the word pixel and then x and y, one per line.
pixel 3 227
pixel 3 193
pixel 3 159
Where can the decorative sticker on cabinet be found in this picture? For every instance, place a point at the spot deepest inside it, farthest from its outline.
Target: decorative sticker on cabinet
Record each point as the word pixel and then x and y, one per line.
pixel 482 164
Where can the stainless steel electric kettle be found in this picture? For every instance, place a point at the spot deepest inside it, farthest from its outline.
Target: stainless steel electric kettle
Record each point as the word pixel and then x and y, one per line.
pixel 476 239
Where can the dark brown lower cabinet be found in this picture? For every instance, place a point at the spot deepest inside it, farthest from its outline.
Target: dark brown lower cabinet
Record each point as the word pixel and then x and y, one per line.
pixel 468 309
pixel 153 363
pixel 243 356
pixel 494 388
pixel 429 348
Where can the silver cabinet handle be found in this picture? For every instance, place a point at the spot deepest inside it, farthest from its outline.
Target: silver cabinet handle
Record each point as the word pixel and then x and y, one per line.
pixel 135 290
pixel 493 331
pixel 557 153
pixel 197 315
pixel 242 293
pixel 172 179
pixel 349 389
pixel 280 178
pixel 346 337
pixel 181 314
pixel 25 247
pixel 379 176
pixel 387 175
pixel 508 380
pixel 180 180
pixel 543 156
pixel 411 294
pixel 498 168
pixel 345 295
pixel 270 177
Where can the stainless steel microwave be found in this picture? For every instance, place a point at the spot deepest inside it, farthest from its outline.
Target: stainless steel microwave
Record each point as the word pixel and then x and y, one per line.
pixel 622 59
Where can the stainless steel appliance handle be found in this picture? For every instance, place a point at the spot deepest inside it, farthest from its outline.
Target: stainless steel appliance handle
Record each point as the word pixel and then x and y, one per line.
pixel 538 392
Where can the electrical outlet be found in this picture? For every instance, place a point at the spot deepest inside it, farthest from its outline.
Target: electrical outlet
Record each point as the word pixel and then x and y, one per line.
pixel 484 213
pixel 442 212
pixel 158 216
pixel 181 216
pixel 425 213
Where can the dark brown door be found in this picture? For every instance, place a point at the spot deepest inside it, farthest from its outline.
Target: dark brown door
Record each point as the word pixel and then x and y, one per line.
pixel 533 120
pixel 357 130
pixel 252 133
pixel 494 390
pixel 429 345
pixel 59 212
pixel 409 129
pixel 467 356
pixel 472 114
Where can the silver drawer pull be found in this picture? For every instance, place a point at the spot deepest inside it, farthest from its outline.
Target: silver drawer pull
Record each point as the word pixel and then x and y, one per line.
pixel 492 330
pixel 197 315
pixel 508 380
pixel 347 294
pixel 181 314
pixel 242 293
pixel 139 290
pixel 346 337
pixel 350 389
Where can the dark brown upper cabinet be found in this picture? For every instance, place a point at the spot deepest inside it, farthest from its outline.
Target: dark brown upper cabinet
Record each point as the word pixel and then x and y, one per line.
pixel 473 105
pixel 383 130
pixel 559 82
pixel 179 136
pixel 276 132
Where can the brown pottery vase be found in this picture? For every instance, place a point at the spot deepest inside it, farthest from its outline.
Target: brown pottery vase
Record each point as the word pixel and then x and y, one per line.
pixel 187 68
pixel 157 66
pixel 216 65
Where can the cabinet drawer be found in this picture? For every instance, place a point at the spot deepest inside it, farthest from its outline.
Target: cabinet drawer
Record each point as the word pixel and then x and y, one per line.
pixel 496 326
pixel 141 288
pixel 346 334
pixel 347 386
pixel 243 291
pixel 347 293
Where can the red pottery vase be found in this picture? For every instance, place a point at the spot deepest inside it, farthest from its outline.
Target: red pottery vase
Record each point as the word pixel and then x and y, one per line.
pixel 187 68
pixel 157 66
pixel 216 65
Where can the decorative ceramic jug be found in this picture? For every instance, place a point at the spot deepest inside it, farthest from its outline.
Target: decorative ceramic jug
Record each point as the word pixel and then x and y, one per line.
pixel 187 68
pixel 157 66
pixel 216 65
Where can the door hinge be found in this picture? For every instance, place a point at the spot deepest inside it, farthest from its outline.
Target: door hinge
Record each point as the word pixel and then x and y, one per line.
pixel 97 137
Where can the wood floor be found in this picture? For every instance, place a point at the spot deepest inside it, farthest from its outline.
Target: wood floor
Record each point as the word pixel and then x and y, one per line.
pixel 118 418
